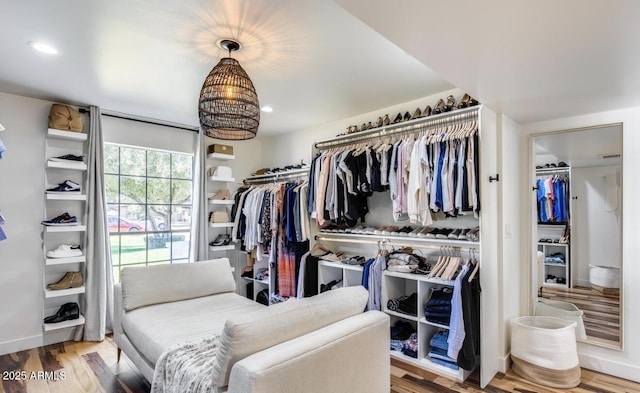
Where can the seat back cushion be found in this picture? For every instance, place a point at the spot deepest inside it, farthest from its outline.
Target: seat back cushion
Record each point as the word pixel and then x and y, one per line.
pixel 247 334
pixel 147 285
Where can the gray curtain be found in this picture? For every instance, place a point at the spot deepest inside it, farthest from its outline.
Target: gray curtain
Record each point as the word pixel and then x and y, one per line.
pixel 98 299
pixel 199 217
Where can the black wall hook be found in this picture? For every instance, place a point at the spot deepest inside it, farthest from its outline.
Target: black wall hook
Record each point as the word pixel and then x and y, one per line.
pixel 496 178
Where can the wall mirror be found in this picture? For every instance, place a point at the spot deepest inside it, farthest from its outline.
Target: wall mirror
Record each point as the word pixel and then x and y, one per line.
pixel 577 230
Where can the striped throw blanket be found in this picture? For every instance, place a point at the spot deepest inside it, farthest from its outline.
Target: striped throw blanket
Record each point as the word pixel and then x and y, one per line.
pixel 186 367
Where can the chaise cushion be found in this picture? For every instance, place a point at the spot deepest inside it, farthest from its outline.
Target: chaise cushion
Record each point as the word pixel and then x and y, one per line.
pixel 147 285
pixel 155 328
pixel 247 334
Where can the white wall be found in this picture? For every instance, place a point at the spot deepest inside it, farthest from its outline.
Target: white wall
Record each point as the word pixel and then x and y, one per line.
pixel 510 204
pixel 22 203
pixel 623 363
pixel 286 149
pixel 596 225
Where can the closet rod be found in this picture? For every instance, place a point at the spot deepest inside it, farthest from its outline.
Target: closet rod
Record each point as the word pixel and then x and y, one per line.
pixel 393 242
pixel 420 124
pixel 542 171
pixel 276 177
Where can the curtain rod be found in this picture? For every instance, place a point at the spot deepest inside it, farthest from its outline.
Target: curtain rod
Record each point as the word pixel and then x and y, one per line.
pixel 139 119
pixel 401 128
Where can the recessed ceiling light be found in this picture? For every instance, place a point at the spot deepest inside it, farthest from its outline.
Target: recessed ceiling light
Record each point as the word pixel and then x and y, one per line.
pixel 267 109
pixel 42 47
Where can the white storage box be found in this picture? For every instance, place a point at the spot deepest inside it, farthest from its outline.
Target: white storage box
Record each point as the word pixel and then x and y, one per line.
pixel 544 351
pixel 604 276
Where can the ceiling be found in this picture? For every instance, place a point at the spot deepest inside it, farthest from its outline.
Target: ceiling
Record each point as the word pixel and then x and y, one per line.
pixel 580 148
pixel 317 61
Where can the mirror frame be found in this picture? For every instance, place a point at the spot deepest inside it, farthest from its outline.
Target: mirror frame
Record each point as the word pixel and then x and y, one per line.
pixel 532 227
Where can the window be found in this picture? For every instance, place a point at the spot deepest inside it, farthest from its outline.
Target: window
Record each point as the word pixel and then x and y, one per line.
pixel 148 205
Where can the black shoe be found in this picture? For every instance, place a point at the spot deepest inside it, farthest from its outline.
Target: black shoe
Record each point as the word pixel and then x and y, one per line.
pixel 66 312
pixel 222 240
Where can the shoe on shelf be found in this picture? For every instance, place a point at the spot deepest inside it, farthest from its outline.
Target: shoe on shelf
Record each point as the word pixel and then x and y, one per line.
pixel 415 232
pixel 65 251
pixel 443 233
pixel 407 116
pixel 451 103
pixel 66 312
pixel 386 120
pixel 463 234
pixel 66 187
pixel 454 235
pixel 70 280
pixel 439 108
pixel 67 157
pixel 398 118
pixel 62 220
pixel 221 195
pixel 416 114
pixel 389 230
pixel 424 232
pixel 426 112
pixel 223 239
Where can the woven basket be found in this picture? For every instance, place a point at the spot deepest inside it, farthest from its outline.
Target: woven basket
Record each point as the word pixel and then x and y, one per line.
pixel 544 351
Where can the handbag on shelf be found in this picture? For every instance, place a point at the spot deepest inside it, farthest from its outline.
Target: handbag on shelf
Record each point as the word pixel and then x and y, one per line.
pixel 219 217
pixel 64 117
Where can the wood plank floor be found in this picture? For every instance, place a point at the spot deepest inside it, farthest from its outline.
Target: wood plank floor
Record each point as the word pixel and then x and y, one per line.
pixel 601 312
pixel 91 367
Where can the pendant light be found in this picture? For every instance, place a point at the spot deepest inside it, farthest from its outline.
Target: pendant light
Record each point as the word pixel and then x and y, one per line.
pixel 228 106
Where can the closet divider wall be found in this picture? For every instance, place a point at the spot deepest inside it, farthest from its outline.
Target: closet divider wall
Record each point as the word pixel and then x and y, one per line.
pixel 438 164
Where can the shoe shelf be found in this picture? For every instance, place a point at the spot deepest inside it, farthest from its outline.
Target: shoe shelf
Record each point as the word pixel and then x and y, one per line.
pixel 65 228
pixel 220 225
pixel 222 179
pixel 66 135
pixel 553 244
pixel 394 240
pixel 64 324
pixel 65 197
pixel 51 293
pixel 222 248
pixel 220 202
pixel 64 261
pixel 63 165
pixel 221 157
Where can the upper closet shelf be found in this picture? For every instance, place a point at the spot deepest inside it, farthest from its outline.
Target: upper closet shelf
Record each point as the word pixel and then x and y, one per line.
pixel 220 202
pixel 66 228
pixel 278 176
pixel 408 126
pixel 68 135
pixel 221 157
pixel 395 240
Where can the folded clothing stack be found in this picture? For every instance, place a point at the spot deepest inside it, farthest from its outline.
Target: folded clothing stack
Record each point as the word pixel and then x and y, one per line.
pixel 262 274
pixel 401 262
pixel 404 304
pixel 557 258
pixel 404 338
pixel 438 352
pixel 438 308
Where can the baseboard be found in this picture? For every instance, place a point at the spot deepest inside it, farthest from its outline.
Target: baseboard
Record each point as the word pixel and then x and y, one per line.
pixel 20 345
pixel 504 363
pixel 611 367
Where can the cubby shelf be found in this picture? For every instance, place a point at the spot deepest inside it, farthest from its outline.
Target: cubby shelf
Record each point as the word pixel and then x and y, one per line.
pixel 80 166
pixel 220 202
pixel 222 179
pixel 221 157
pixel 220 225
pixel 67 135
pixel 50 293
pixel 64 324
pixel 65 228
pixel 64 261
pixel 222 248
pixel 66 197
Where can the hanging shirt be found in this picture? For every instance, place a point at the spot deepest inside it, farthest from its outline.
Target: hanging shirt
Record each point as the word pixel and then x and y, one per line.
pixel 456 323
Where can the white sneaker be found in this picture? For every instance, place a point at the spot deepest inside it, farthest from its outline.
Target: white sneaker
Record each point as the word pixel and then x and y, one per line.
pixel 65 251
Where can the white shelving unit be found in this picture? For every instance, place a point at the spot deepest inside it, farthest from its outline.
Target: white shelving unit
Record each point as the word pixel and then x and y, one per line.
pixel 396 284
pixel 58 143
pixel 217 205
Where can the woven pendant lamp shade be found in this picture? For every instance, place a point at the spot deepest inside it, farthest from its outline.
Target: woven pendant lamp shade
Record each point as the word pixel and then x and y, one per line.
pixel 229 107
